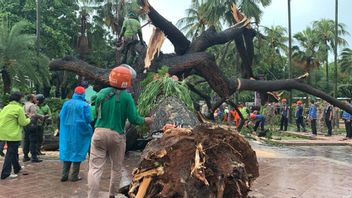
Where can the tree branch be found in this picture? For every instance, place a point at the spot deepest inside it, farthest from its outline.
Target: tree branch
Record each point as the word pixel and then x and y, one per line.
pixel 210 37
pixel 81 68
pixel 276 85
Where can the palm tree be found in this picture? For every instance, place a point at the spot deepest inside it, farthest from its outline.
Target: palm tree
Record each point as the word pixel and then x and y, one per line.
pixel 275 35
pixel 206 13
pixel 18 58
pixel 346 61
pixel 195 22
pixel 325 29
pixel 335 49
pixel 305 54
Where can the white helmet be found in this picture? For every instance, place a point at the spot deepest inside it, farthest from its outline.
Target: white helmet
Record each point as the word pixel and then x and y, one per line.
pixel 133 72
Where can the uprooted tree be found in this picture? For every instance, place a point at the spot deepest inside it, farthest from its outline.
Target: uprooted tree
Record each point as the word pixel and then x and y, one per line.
pixel 191 58
pixel 198 162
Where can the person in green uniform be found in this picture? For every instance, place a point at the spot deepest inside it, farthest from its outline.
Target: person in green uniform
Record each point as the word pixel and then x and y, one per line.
pixel 43 110
pixel 131 27
pixel 114 106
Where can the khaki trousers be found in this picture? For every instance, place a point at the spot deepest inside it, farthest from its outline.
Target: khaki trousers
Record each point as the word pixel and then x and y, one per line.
pixel 106 144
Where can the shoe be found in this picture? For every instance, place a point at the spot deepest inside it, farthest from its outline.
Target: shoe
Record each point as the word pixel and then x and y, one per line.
pixel 327 135
pixel 17 171
pixel 4 176
pixel 2 154
pixel 12 176
pixel 26 159
pixel 36 160
pixel 76 179
pixel 63 179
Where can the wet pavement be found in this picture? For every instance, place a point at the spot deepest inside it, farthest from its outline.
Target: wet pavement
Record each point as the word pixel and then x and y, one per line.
pixel 303 171
pixel 286 171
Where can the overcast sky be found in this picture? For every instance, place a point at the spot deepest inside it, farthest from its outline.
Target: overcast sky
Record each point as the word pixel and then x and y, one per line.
pixel 303 12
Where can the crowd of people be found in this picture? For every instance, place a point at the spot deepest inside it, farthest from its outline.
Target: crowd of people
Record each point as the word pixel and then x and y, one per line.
pixel 318 115
pixel 97 128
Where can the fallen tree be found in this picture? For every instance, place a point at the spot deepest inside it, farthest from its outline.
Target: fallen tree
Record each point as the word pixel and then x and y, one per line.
pixel 190 58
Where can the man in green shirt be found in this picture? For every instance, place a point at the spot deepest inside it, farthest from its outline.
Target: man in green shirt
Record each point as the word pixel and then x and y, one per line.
pixel 12 121
pixel 43 110
pixel 114 105
pixel 130 29
pixel 128 36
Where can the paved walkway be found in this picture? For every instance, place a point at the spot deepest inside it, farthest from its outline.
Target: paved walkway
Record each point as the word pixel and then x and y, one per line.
pixel 281 176
pixel 42 180
pixel 284 176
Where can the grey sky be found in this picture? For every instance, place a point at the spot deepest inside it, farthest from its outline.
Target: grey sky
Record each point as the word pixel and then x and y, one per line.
pixel 304 12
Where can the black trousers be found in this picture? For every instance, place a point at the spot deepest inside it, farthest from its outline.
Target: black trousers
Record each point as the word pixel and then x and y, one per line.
pixel 299 123
pixel 348 129
pixel 2 144
pixel 329 126
pixel 30 142
pixel 240 126
pixel 11 159
pixel 313 124
pixel 283 123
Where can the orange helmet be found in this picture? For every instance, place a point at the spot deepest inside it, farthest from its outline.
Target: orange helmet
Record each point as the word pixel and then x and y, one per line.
pixel 299 102
pixel 120 77
pixel 252 116
pixel 283 100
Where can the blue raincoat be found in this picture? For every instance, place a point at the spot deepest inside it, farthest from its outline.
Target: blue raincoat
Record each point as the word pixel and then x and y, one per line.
pixel 75 129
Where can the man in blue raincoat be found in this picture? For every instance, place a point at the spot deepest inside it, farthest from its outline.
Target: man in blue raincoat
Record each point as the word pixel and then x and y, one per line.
pixel 75 133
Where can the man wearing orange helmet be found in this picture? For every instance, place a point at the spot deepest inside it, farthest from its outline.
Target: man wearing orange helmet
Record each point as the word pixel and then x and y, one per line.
pixel 284 115
pixel 114 105
pixel 299 116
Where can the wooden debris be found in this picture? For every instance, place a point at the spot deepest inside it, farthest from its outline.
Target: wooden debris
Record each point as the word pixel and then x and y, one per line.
pixel 154 46
pixel 198 166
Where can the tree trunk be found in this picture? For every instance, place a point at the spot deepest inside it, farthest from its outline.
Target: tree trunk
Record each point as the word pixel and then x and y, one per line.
pixel 6 79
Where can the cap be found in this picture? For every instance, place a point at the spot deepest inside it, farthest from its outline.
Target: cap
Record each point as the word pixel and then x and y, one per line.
pixel 80 90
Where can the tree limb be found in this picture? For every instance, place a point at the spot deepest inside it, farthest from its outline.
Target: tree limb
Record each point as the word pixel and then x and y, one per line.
pixel 210 37
pixel 81 68
pixel 276 85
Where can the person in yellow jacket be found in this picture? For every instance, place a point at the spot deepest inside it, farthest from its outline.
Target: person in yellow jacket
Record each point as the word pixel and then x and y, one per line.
pixel 12 121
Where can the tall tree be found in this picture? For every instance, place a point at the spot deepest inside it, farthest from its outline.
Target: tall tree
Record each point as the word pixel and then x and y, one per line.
pixel 325 29
pixel 335 48
pixel 18 57
pixel 289 48
pixel 305 53
pixel 346 61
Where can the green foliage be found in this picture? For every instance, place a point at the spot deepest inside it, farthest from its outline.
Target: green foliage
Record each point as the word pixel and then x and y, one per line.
pixel 159 89
pixel 151 75
pixel 215 13
pixel 55 104
pixel 18 54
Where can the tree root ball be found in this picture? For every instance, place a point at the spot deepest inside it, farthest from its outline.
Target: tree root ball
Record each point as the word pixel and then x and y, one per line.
pixel 200 162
